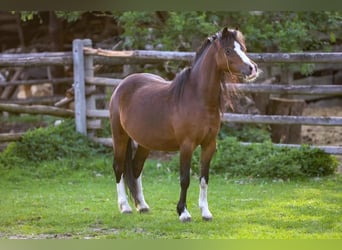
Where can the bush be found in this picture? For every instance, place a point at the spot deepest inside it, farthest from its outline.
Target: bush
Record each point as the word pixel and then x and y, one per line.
pixel 245 132
pixel 49 143
pixel 265 160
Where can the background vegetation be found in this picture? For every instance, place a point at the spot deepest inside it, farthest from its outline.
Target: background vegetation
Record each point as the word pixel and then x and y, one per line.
pixel 232 159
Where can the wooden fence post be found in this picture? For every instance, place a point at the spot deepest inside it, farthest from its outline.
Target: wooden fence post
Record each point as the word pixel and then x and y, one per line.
pixel 79 86
pixel 89 72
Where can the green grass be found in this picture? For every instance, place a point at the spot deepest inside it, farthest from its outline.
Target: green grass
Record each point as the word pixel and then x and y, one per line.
pixel 77 199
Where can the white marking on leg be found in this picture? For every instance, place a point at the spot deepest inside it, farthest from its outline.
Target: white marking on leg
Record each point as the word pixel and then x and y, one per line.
pixel 185 216
pixel 202 201
pixel 141 203
pixel 244 58
pixel 124 207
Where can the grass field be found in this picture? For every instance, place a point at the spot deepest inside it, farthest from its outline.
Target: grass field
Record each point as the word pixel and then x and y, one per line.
pixel 77 199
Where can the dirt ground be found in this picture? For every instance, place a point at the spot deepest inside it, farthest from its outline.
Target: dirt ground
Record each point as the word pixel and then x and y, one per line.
pixel 324 135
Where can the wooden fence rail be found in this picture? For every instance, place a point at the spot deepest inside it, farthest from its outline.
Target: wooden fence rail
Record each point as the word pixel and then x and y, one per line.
pixel 36 109
pixel 143 56
pixel 36 81
pixel 35 59
pixel 187 56
pixel 248 88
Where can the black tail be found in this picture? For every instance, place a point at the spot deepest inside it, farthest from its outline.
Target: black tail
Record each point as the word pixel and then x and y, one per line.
pixel 128 174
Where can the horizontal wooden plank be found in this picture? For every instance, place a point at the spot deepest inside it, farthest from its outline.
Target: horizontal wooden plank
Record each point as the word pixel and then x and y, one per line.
pixel 302 57
pixel 251 87
pixel 35 59
pixel 98 113
pixel 305 57
pixel 283 119
pixel 335 150
pixel 287 89
pixel 35 100
pixel 8 137
pixel 36 109
pixel 266 119
pixel 102 81
pixel 145 56
pixel 38 81
pixel 104 141
pixel 94 124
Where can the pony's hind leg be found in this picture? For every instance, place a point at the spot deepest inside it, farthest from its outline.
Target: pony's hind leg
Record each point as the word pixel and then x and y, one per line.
pixel 138 164
pixel 120 145
pixel 123 204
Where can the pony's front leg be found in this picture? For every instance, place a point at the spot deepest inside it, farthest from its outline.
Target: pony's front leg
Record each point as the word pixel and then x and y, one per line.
pixel 185 162
pixel 140 203
pixel 123 204
pixel 203 202
pixel 206 155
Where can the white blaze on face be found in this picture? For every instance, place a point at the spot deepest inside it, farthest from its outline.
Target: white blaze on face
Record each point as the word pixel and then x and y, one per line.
pixel 244 57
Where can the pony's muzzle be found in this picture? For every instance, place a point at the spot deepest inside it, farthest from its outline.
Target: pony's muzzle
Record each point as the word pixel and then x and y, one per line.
pixel 250 71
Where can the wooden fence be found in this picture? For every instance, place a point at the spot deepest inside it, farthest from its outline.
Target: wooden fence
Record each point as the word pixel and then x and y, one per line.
pixel 32 105
pixel 89 119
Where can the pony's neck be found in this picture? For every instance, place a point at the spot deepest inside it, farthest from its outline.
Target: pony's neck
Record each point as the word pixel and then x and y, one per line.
pixel 206 78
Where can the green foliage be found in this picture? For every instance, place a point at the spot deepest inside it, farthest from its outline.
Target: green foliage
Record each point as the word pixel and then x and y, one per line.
pixel 246 133
pixel 50 143
pixel 266 31
pixel 27 15
pixel 265 160
pixel 69 16
pixel 177 33
pixel 277 32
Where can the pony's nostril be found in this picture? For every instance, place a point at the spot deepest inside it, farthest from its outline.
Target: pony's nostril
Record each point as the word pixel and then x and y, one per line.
pixel 250 69
pixel 253 69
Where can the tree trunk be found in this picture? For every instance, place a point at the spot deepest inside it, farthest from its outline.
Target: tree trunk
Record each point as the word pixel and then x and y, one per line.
pixel 288 134
pixel 56 36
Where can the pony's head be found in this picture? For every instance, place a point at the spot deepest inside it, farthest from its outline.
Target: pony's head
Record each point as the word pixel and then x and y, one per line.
pixel 231 56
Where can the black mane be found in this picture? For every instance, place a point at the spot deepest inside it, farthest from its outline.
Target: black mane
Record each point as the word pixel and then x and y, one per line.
pixel 204 46
pixel 178 83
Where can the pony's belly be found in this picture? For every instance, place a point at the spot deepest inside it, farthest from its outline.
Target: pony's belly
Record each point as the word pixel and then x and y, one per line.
pixel 153 142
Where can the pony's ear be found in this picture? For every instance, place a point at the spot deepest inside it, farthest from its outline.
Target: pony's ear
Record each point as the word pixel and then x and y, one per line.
pixel 224 32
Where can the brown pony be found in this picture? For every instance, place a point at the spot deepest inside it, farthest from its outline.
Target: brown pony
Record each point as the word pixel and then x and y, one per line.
pixel 179 115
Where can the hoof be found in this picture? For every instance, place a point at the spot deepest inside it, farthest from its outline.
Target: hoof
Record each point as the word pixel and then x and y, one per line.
pixel 206 215
pixel 185 220
pixel 125 208
pixel 143 210
pixel 142 207
pixel 207 218
pixel 185 216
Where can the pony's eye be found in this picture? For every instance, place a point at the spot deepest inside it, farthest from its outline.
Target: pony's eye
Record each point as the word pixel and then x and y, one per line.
pixel 228 51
